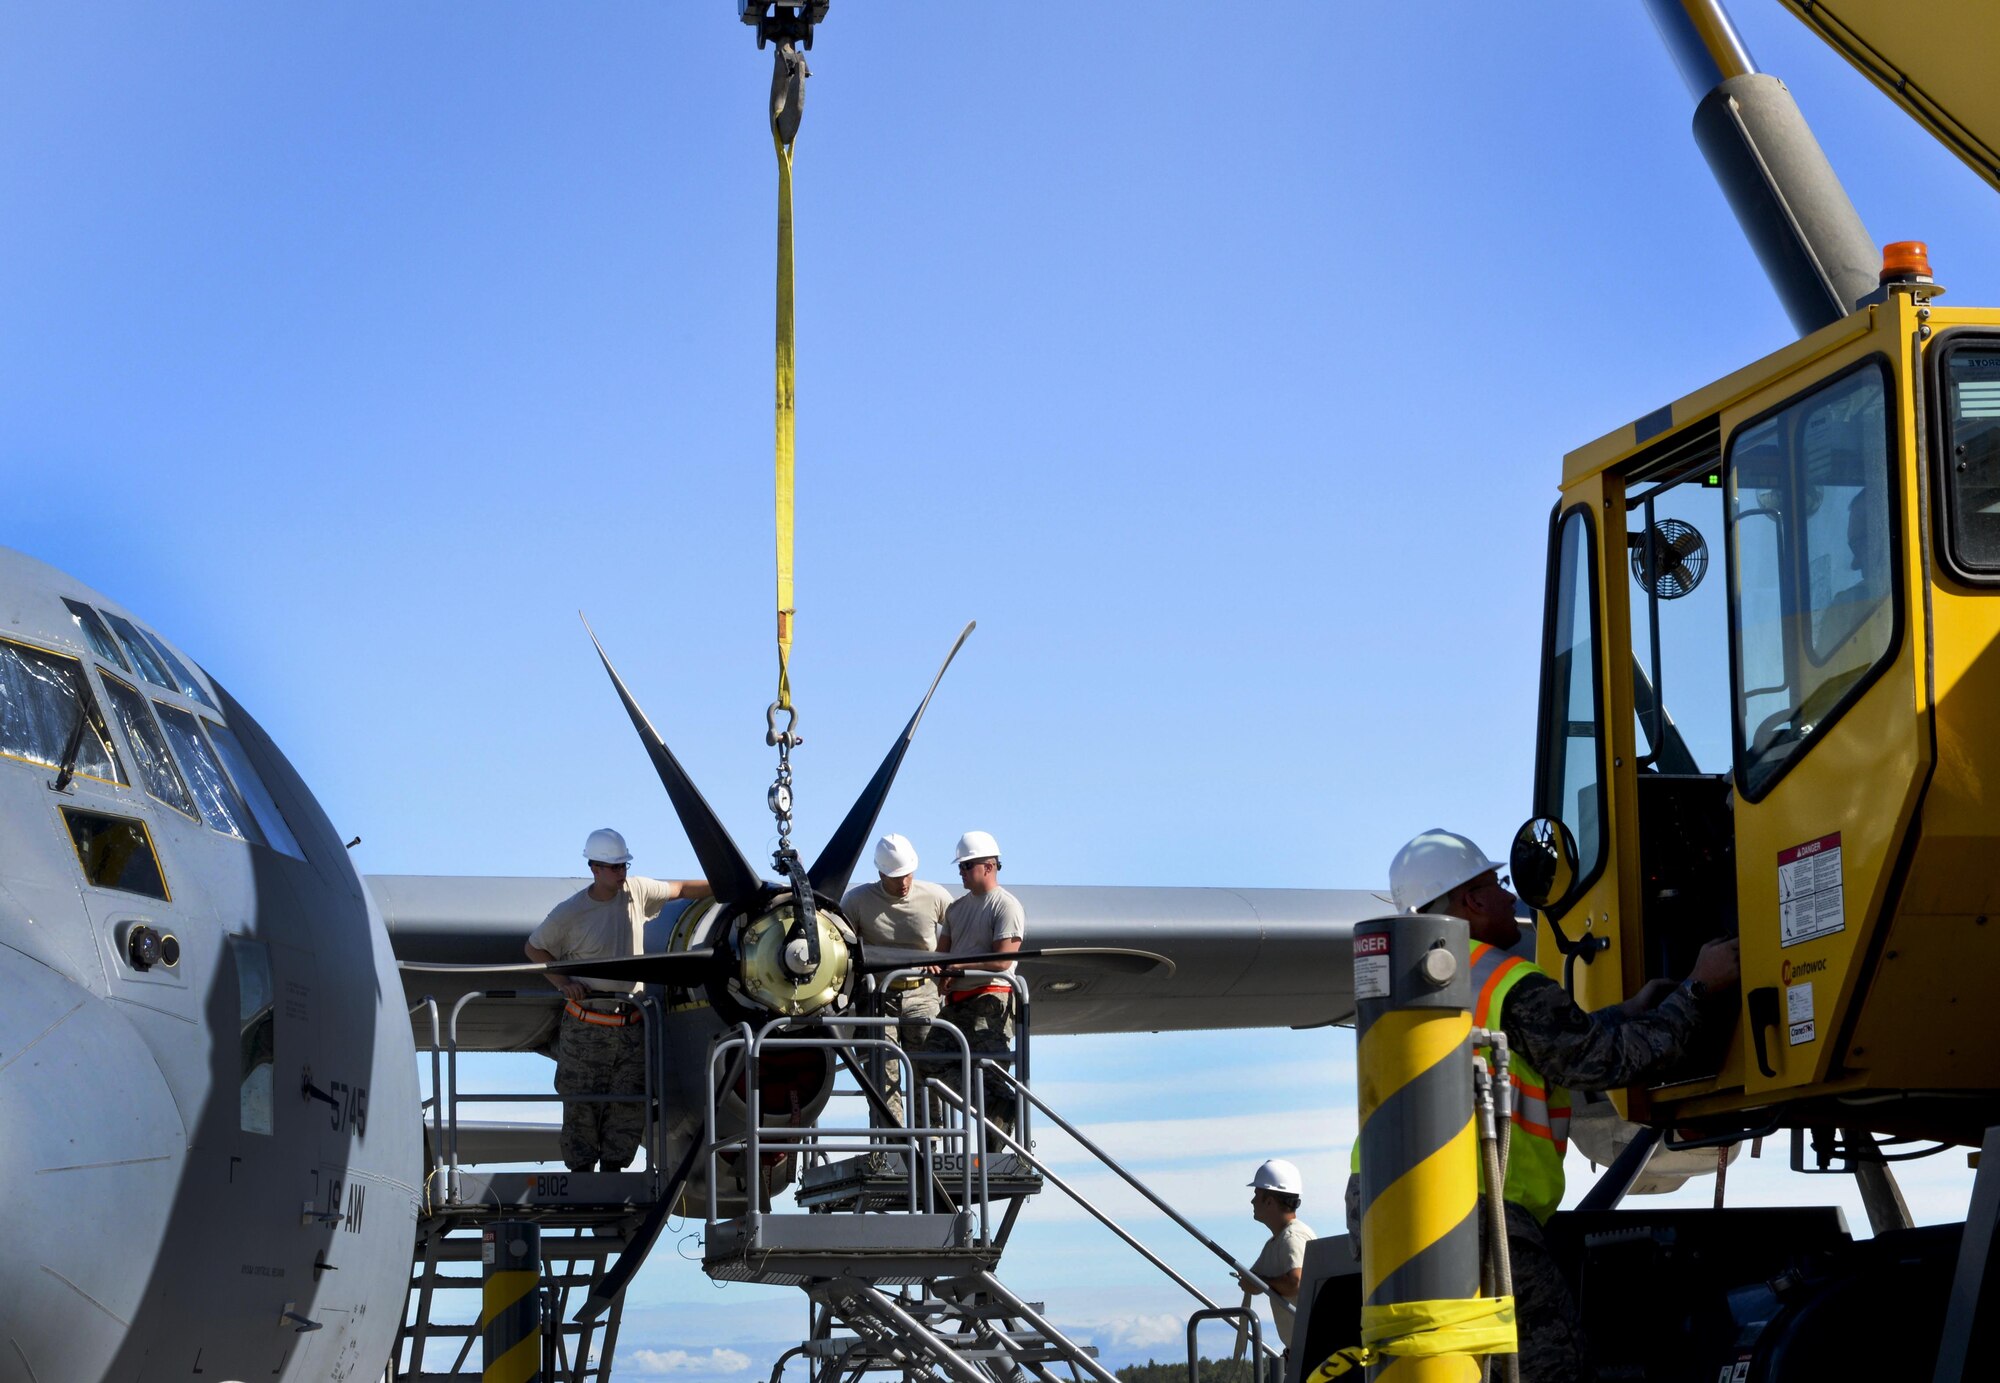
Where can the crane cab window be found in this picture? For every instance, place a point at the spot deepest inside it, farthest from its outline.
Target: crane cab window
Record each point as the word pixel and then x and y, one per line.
pixel 1811 514
pixel 142 733
pixel 116 852
pixel 1970 409
pixel 1680 701
pixel 1569 774
pixel 41 696
pixel 101 642
pixel 216 797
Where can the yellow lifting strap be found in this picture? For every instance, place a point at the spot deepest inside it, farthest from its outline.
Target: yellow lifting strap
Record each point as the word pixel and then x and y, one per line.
pixel 788 89
pixel 1425 1329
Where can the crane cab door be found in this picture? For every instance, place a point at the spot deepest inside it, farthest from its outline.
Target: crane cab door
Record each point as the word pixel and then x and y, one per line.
pixel 1731 706
pixel 1634 756
pixel 1828 703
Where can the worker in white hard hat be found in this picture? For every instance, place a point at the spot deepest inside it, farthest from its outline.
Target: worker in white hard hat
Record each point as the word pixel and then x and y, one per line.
pixel 985 920
pixel 1275 1193
pixel 600 1047
pixel 899 909
pixel 1555 1048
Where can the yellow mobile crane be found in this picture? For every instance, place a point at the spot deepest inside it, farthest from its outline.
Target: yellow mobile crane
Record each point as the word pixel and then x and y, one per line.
pixel 1771 708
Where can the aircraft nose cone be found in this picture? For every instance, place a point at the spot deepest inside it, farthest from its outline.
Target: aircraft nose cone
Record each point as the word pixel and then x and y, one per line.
pixel 91 1151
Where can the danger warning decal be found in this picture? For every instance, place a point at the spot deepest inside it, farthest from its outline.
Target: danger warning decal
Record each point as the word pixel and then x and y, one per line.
pixel 1811 902
pixel 1371 966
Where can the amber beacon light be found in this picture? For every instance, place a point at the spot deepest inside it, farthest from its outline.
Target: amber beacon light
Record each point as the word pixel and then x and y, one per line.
pixel 1906 261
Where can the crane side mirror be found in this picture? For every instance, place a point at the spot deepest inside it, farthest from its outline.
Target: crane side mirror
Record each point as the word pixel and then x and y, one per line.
pixel 1543 862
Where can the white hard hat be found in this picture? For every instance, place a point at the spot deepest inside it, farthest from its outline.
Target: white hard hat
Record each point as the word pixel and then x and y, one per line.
pixel 1279 1175
pixel 1432 865
pixel 976 845
pixel 606 846
pixel 895 857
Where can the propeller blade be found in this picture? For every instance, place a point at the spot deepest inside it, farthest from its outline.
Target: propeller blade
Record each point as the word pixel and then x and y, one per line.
pixel 735 883
pixel 683 968
pixel 1117 960
pixel 835 865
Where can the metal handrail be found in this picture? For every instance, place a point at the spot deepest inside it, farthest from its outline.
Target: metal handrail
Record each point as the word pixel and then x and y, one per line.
pixel 1223 1313
pixel 453 1097
pixel 1278 1303
pixel 1014 980
pixel 756 1139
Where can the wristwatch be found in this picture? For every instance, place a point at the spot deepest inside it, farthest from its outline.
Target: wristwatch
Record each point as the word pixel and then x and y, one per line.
pixel 1695 988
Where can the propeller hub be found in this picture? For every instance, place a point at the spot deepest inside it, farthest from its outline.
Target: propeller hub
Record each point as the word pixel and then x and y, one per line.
pixel 774 973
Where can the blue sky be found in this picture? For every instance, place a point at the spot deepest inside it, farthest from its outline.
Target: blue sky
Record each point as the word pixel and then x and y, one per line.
pixel 1221 370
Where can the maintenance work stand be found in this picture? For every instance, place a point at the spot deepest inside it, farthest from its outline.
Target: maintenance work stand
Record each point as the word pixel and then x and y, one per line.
pixel 893 1234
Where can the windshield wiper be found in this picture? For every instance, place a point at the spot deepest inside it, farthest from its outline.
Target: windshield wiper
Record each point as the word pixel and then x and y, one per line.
pixel 72 747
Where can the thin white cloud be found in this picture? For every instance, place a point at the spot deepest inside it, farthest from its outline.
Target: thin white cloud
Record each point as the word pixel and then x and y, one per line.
pixel 654 1363
pixel 1136 1332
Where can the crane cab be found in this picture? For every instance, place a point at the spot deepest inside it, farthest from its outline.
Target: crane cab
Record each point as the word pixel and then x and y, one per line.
pixel 1771 648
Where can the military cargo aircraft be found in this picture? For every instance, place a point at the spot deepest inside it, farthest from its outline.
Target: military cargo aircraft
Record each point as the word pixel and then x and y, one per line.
pixel 203 1040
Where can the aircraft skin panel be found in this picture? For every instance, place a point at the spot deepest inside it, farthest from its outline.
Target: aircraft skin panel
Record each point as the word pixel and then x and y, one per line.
pixel 1935 61
pixel 173 1119
pixel 1263 957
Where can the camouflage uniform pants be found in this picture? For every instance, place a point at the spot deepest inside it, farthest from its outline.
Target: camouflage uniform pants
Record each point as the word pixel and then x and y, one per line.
pixel 1553 1349
pixel 987 1020
pixel 596 1060
pixel 914 1010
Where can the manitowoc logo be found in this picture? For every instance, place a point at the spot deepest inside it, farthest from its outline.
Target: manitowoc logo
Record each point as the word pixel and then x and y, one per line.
pixel 1789 972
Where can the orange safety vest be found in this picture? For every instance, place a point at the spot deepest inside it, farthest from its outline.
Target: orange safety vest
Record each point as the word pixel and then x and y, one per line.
pixel 1541 1111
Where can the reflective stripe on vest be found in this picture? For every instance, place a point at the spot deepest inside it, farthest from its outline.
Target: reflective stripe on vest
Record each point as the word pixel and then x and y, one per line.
pixel 1541 1111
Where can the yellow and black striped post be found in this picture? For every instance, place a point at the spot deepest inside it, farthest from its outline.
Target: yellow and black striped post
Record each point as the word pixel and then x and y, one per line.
pixel 510 1318
pixel 1419 1169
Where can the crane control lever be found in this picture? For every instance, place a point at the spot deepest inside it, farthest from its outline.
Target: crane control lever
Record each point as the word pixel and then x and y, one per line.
pixel 788 21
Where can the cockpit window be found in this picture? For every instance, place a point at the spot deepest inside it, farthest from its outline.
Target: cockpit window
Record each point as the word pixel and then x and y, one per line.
pixel 257 1035
pixel 221 807
pixel 115 852
pixel 263 808
pixel 101 642
pixel 41 696
pixel 182 677
pixel 156 766
pixel 143 657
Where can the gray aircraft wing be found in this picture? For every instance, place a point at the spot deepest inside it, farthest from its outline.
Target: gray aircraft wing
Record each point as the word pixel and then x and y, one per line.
pixel 1243 957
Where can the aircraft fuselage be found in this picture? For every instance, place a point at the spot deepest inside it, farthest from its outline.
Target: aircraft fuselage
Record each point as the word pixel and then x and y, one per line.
pixel 209 1120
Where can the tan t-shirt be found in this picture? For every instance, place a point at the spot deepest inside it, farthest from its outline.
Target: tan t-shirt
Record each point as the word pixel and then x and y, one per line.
pixel 1284 1251
pixel 976 920
pixel 581 928
pixel 911 921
